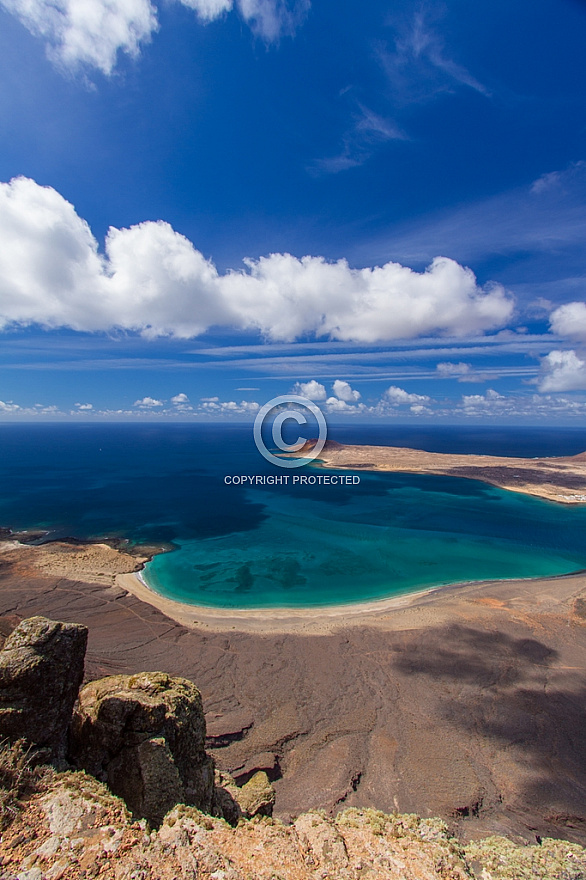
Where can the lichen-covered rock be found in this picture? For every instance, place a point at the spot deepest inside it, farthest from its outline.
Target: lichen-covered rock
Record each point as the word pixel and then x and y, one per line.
pixel 232 802
pixel 144 735
pixel 41 669
pixel 322 844
pixel 500 859
pixel 257 797
pixel 147 778
pixel 76 828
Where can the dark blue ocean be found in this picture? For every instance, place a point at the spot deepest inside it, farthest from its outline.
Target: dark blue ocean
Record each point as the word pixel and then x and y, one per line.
pixel 289 545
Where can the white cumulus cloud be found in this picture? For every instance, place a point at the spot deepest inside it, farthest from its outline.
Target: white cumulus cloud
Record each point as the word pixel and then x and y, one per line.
pixel 562 371
pixel 181 403
pixel 344 391
pixel 570 321
pixel 87 32
pixel 208 10
pixel 8 407
pixel 286 297
pixel 214 405
pixel 464 373
pixel 491 398
pixel 147 403
pixel 336 405
pixel 92 33
pixel 312 390
pixel 153 280
pixel 398 396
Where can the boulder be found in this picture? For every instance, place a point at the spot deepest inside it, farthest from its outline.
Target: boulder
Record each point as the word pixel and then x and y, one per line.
pixel 41 669
pixel 257 796
pixel 232 802
pixel 144 735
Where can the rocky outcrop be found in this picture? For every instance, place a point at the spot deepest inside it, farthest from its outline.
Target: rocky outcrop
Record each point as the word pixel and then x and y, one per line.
pixel 75 828
pixel 41 669
pixel 254 798
pixel 144 735
pixel 257 796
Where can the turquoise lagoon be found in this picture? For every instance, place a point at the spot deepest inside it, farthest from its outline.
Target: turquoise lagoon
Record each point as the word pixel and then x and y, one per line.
pixel 397 535
pixel 276 546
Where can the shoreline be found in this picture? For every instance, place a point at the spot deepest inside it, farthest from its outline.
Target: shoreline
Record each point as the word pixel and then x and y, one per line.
pixel 111 563
pixel 284 619
pixel 562 500
pixel 393 612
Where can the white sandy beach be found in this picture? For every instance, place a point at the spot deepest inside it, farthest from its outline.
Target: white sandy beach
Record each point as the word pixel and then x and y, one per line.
pixel 107 566
pixel 430 606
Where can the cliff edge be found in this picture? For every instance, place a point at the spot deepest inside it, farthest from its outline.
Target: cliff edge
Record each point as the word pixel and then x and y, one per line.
pixel 147 804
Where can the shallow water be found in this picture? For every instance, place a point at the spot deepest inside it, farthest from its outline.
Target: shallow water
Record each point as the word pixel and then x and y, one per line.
pixel 287 545
pixel 390 535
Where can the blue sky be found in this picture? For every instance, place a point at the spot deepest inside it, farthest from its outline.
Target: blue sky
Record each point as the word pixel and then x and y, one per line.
pixel 207 203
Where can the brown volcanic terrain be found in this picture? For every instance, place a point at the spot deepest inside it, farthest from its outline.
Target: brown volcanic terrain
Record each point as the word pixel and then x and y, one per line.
pixel 468 703
pixel 556 479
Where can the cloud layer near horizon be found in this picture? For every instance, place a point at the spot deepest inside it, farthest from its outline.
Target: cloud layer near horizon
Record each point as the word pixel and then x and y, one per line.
pixel 152 280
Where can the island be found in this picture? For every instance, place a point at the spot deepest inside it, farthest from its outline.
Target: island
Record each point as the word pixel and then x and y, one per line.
pixel 561 479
